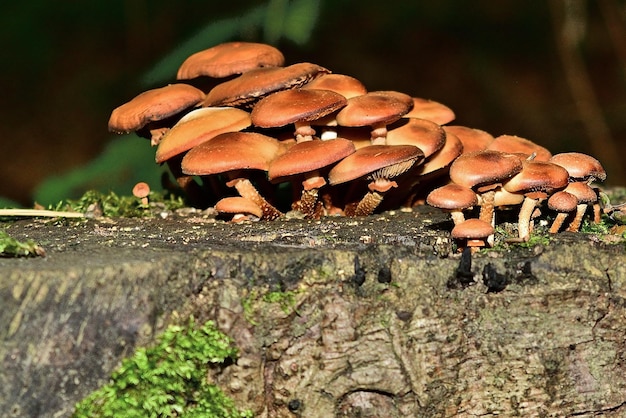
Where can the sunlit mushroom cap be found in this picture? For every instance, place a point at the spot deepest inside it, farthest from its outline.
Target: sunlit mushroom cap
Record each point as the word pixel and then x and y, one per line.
pixel 198 126
pixel 295 105
pixel 484 168
pixel 230 58
pixel 339 83
pixel 254 84
pixel 424 134
pixel 308 156
pixel 154 105
pixel 430 110
pixel 374 162
pixel 472 139
pixel 374 108
pixel 452 197
pixel 537 176
pixel 441 160
pixel 580 166
pixel 232 151
pixel 514 144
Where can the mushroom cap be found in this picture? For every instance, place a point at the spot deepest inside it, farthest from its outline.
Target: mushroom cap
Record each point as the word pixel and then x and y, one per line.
pixel 580 166
pixel 431 110
pixel 472 229
pixel 562 201
pixel 583 192
pixel 374 162
pixel 230 58
pixel 452 197
pixel 309 156
pixel 260 82
pixel 141 190
pixel 424 134
pixel 473 139
pixel 537 176
pixel 153 105
pixel 514 144
pixel 238 204
pixel 295 105
pixel 377 107
pixel 231 151
pixel 345 85
pixel 442 159
pixel 198 126
pixel 482 168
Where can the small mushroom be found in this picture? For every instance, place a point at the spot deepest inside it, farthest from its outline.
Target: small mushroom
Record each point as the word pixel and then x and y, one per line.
pixel 453 199
pixel 239 208
pixel 472 233
pixel 585 195
pixel 563 203
pixel 141 191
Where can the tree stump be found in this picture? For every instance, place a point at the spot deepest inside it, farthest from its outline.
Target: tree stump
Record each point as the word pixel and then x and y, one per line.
pixel 338 317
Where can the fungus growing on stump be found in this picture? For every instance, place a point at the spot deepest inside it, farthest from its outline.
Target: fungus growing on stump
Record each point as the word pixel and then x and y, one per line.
pixel 454 199
pixel 235 155
pixel 563 203
pixel 380 165
pixel 239 208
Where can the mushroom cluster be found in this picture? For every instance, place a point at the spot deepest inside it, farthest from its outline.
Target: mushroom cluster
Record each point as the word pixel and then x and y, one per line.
pixel 255 138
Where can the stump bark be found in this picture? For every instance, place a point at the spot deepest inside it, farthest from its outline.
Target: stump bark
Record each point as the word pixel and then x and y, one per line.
pixel 369 317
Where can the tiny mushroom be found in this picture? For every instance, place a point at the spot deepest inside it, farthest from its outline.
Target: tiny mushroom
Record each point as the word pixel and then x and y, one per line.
pixel 380 165
pixel 141 191
pixel 472 233
pixel 230 58
pixel 563 203
pixel 454 199
pixel 235 155
pixel 586 195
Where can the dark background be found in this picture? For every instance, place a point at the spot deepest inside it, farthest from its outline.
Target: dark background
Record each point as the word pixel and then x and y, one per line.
pixel 550 71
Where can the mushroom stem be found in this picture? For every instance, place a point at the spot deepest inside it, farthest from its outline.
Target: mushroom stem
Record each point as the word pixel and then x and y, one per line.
pixel 308 203
pixel 304 131
pixel 558 222
pixel 574 226
pixel 246 189
pixel 457 216
pixel 368 204
pixel 378 135
pixel 523 221
pixel 487 207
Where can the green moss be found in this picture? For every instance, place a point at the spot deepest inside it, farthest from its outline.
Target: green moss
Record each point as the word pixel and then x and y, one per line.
pixel 113 205
pixel 168 379
pixel 11 247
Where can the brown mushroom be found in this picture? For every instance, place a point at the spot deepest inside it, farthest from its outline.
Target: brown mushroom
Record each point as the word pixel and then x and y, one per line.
pixel 453 199
pixel 585 195
pixel 536 181
pixel 514 144
pixel 141 191
pixel 581 167
pixel 472 139
pixel 345 85
pixel 563 203
pixel 255 84
pixel 472 233
pixel 239 208
pixel 305 160
pixel 380 165
pixel 153 106
pixel 235 154
pixel 296 106
pixel 377 110
pixel 230 58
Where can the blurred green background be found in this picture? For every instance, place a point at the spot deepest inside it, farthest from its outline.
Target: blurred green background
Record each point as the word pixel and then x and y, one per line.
pixel 551 71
